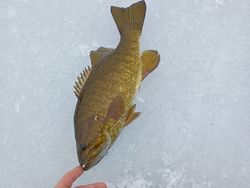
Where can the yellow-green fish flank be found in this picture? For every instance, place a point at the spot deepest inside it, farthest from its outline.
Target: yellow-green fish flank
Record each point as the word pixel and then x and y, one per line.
pixel 106 90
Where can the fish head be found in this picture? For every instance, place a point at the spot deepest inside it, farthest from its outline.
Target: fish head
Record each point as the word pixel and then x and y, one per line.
pixel 94 144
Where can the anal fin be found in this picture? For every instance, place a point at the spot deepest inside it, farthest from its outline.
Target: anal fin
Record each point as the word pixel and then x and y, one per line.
pixel 150 60
pixel 132 115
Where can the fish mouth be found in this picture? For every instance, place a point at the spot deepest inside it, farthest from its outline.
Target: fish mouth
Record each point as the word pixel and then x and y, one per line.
pixel 91 162
pixel 96 158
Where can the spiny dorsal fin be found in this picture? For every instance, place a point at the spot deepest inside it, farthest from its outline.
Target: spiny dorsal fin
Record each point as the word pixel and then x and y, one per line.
pixel 81 80
pixel 99 54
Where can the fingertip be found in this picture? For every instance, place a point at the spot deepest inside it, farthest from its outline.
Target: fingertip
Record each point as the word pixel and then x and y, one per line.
pixel 68 178
pixel 94 185
pixel 79 169
pixel 104 185
pixel 100 185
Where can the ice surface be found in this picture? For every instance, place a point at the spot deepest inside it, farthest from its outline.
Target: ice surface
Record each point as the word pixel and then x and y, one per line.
pixel 194 130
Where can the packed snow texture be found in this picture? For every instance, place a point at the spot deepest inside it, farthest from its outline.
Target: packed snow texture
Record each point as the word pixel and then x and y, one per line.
pixel 194 131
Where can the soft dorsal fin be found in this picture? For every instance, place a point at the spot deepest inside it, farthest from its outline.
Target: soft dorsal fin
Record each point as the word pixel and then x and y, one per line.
pixel 99 54
pixel 150 60
pixel 81 80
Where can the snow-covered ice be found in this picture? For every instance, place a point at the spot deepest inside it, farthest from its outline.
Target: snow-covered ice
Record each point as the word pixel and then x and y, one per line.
pixel 194 131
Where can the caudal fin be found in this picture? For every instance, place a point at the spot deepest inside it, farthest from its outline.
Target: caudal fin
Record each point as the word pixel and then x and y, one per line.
pixel 130 18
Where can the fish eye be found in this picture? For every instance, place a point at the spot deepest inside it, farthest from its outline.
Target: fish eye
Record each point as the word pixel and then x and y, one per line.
pixel 83 146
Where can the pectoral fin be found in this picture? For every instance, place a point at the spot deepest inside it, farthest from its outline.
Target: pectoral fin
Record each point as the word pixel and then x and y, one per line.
pixel 99 54
pixel 150 60
pixel 132 115
pixel 116 108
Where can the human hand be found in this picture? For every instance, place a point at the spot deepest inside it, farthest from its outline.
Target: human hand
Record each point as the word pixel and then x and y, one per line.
pixel 68 179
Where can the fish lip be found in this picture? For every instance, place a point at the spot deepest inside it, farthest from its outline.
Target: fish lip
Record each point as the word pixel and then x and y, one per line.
pixel 93 159
pixel 91 163
pixel 104 149
pixel 87 162
pixel 90 158
pixel 83 163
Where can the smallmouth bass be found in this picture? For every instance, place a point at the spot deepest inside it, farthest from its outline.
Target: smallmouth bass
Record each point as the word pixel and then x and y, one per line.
pixel 105 90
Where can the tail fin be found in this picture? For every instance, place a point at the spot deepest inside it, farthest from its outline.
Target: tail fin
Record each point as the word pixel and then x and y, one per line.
pixel 130 18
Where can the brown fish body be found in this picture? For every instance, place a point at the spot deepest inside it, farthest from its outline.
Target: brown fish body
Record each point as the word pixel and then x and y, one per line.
pixel 105 99
pixel 113 76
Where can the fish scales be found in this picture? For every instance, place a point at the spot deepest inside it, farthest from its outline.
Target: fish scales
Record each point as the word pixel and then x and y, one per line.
pixel 107 86
pixel 105 97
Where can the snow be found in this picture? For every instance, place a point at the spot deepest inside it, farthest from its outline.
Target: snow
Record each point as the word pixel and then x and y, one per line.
pixel 194 129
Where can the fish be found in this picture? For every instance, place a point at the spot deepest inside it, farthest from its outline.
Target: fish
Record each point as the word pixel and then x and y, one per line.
pixel 105 90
